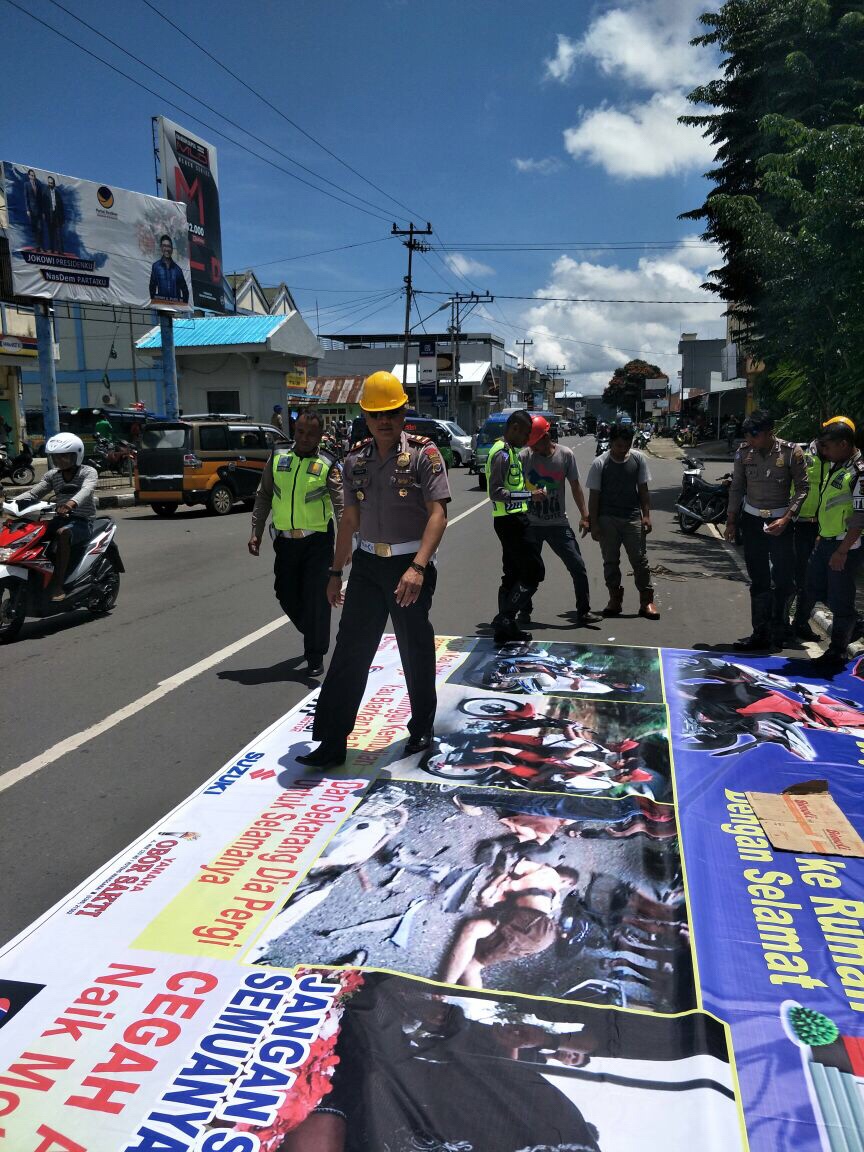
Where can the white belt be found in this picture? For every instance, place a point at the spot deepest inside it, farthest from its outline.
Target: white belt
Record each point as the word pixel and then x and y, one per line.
pixel 389 549
pixel 765 513
pixel 295 533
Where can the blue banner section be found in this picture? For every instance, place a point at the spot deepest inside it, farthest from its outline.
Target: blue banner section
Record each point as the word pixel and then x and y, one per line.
pixel 779 936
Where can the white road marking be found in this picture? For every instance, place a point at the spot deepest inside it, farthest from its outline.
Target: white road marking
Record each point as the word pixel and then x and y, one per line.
pixel 462 515
pixel 71 743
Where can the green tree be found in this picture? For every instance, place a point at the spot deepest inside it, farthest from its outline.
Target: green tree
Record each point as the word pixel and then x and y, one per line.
pixel 625 388
pixel 787 206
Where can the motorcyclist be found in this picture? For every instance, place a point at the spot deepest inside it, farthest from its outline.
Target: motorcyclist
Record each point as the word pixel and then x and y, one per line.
pixel 73 486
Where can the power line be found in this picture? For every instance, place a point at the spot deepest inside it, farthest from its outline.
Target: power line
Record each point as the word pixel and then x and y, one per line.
pixel 557 245
pixel 277 110
pixel 198 100
pixel 578 299
pixel 306 255
pixel 191 115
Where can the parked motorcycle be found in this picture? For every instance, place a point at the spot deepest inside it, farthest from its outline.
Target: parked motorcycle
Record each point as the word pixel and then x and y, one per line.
pixel 107 457
pixel 26 568
pixel 18 469
pixel 642 439
pixel 698 501
pixel 602 446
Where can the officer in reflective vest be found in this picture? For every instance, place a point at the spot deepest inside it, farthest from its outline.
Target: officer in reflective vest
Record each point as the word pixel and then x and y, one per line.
pixel 837 555
pixel 804 531
pixel 301 486
pixel 522 567
pixel 396 496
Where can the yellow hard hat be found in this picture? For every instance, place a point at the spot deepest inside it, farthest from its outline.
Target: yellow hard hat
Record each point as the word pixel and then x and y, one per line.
pixel 840 420
pixel 382 392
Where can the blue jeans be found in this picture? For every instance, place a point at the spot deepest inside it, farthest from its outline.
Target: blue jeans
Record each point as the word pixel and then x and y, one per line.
pixel 562 540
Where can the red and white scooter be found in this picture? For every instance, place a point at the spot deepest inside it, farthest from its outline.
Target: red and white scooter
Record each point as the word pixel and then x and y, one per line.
pixel 26 568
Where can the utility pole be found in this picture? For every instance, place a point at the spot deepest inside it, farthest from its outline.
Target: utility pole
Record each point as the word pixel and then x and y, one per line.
pixel 553 371
pixel 472 298
pixel 413 246
pixel 523 344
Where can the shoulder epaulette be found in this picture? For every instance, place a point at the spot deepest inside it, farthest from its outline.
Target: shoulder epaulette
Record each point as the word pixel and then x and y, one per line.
pixel 360 444
pixel 414 438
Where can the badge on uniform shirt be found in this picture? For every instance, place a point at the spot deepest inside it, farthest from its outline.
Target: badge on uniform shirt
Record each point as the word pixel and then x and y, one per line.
pixel 357 470
pixel 361 495
pixel 315 467
pixel 283 464
pixel 403 492
pixel 403 459
pixel 336 473
pixel 780 461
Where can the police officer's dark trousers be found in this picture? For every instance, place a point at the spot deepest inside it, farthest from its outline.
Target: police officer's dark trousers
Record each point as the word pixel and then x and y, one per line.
pixel 300 582
pixel 369 599
pixel 804 533
pixel 770 562
pixel 836 590
pixel 522 568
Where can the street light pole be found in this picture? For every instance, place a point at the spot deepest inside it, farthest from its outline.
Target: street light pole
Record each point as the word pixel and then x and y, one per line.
pixel 413 246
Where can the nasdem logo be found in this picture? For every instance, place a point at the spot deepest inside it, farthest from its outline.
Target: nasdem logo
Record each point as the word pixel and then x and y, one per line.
pixel 105 197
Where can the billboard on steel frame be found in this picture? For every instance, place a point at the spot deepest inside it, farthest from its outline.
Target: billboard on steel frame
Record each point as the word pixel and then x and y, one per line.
pixel 190 175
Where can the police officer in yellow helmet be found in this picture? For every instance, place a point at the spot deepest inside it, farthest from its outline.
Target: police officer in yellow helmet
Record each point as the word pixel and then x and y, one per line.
pixel 302 486
pixel 838 552
pixel 396 495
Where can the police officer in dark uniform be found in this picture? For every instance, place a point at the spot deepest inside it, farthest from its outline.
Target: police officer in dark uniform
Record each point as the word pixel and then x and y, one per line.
pixel 766 471
pixel 396 495
pixel 302 486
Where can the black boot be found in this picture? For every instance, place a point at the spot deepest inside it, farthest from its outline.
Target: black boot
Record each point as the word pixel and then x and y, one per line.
pixel 758 641
pixel 505 623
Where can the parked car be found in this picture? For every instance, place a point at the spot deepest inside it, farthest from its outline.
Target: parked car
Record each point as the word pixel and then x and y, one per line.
pixel 437 433
pixel 209 460
pixel 461 445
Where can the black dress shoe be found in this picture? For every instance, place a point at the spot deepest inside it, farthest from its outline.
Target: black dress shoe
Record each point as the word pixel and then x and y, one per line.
pixel 417 744
pixel 315 666
pixel 325 756
pixel 829 661
pixel 804 632
pixel 754 643
pixel 588 617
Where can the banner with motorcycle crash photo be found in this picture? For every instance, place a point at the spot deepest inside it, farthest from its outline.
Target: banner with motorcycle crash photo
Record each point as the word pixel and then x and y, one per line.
pixel 72 239
pixel 779 933
pixel 485 948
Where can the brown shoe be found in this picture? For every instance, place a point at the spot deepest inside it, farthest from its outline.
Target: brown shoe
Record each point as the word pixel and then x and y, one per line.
pixel 647 607
pixel 616 602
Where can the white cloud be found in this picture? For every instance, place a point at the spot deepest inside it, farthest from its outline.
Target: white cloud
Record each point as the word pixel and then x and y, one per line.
pixel 593 339
pixel 640 140
pixel 544 167
pixel 465 266
pixel 647 44
pixel 641 45
pixel 560 66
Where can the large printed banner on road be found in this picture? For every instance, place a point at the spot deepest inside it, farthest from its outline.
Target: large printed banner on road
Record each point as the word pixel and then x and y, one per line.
pixel 73 239
pixel 493 947
pixel 190 176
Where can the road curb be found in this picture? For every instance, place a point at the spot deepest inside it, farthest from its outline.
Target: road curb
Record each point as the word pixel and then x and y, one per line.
pixel 119 500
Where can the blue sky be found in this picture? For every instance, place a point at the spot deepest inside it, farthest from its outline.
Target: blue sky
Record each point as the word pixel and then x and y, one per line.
pixel 549 123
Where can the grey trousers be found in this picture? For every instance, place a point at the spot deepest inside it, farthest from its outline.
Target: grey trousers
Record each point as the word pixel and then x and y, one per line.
pixel 613 532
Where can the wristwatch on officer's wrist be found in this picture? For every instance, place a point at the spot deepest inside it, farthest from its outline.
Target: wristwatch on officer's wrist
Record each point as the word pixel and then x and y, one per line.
pixel 421 568
pixel 335 573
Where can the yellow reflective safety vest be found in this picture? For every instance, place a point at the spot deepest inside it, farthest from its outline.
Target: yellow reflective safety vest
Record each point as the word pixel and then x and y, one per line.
pixel 836 496
pixel 300 496
pixel 816 469
pixel 513 482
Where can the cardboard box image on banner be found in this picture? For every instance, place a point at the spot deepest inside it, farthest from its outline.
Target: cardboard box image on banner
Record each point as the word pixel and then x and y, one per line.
pixel 190 176
pixel 72 239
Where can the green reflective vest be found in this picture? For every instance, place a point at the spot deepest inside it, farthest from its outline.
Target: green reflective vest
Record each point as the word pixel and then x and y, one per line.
pixel 816 468
pixel 835 498
pixel 514 481
pixel 300 495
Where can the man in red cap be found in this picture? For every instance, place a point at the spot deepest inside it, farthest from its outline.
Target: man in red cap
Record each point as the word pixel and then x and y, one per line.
pixel 551 467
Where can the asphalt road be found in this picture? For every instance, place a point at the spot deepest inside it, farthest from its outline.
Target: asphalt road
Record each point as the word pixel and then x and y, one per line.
pixel 190 591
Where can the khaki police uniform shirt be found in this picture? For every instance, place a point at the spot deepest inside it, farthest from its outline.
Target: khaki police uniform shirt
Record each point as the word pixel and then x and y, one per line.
pixel 765 479
pixel 267 487
pixel 392 493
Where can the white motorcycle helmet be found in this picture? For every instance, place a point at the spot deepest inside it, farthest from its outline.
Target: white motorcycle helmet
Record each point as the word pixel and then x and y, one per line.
pixel 63 443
